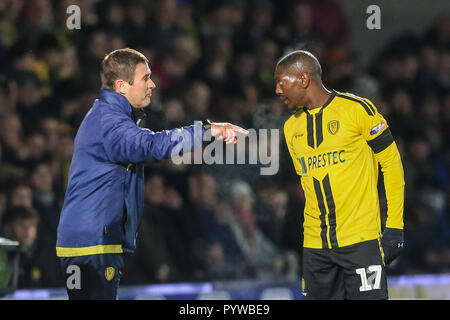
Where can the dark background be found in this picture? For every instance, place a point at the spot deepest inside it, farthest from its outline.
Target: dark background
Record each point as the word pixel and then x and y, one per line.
pixel 215 59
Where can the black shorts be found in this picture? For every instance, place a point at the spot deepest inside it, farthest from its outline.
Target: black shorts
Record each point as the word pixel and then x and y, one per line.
pixel 352 272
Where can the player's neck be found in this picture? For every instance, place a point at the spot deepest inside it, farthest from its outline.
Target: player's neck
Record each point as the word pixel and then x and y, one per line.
pixel 319 96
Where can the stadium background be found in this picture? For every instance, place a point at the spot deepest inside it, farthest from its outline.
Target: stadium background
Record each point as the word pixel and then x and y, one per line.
pixel 222 230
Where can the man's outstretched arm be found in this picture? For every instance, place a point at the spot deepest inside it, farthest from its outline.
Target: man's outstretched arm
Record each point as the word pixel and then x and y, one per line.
pixel 126 142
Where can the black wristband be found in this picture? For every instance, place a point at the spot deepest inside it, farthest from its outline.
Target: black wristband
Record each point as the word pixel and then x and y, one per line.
pixel 206 124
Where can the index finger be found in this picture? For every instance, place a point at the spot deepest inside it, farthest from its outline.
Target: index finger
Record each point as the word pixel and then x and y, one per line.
pixel 239 129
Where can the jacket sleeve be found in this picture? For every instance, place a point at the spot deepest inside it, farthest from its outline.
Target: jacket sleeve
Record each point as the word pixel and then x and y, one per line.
pixel 125 142
pixel 378 136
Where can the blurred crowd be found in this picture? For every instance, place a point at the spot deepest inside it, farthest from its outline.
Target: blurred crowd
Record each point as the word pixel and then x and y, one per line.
pixel 215 60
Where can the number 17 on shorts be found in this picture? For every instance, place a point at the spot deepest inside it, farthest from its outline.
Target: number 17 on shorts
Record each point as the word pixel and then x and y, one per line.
pixel 370 277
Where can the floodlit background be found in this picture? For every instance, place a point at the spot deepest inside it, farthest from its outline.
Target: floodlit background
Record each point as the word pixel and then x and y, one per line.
pixel 221 231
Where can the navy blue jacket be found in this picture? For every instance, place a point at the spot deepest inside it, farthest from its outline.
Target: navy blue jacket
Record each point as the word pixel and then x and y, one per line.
pixel 105 194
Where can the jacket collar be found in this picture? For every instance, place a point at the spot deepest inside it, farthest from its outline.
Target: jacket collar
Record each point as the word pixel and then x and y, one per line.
pixel 138 115
pixel 115 99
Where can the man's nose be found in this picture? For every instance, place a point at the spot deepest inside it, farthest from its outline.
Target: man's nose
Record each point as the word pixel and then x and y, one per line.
pixel 151 84
pixel 278 89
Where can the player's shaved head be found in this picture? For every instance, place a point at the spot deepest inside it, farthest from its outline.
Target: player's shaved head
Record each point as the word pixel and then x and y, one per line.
pixel 298 77
pixel 301 61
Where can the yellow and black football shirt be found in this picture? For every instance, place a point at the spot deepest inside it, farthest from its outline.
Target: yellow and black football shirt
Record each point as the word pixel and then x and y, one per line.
pixel 337 149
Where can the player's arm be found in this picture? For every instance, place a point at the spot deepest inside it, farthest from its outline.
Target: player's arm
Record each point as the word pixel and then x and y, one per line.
pixel 288 139
pixel 394 184
pixel 379 138
pixel 298 170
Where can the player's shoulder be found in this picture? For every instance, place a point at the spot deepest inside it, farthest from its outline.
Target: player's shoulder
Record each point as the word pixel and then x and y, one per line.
pixel 292 121
pixel 357 103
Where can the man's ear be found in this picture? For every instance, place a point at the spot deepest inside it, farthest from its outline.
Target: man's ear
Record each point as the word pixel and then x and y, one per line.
pixel 304 80
pixel 121 86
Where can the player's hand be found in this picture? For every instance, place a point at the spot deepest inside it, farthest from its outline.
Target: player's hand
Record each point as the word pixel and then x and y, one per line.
pixel 226 131
pixel 392 242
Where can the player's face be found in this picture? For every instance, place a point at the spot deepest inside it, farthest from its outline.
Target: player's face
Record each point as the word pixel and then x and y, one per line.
pixel 289 89
pixel 140 92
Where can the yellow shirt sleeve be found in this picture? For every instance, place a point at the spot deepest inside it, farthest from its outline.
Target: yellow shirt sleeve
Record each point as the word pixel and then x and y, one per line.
pixel 295 160
pixel 375 131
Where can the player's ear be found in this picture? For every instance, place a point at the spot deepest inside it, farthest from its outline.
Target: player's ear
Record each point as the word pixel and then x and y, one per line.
pixel 121 86
pixel 304 80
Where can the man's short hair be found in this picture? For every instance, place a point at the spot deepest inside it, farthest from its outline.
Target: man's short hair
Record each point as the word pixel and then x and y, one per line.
pixel 20 213
pixel 120 64
pixel 301 60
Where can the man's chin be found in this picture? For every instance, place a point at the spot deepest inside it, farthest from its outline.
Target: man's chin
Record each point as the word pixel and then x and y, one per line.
pixel 144 104
pixel 292 106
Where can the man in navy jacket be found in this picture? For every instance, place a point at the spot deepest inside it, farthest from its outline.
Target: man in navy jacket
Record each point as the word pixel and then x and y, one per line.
pixel 104 199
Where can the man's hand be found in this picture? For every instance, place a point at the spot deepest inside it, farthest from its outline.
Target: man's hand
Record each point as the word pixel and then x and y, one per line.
pixel 392 242
pixel 226 131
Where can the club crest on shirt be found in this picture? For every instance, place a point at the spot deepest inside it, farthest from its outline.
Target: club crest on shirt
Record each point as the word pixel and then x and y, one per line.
pixel 379 127
pixel 333 126
pixel 109 273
